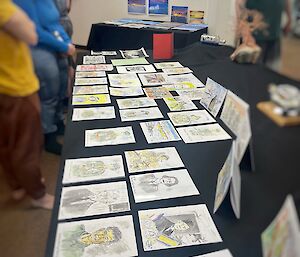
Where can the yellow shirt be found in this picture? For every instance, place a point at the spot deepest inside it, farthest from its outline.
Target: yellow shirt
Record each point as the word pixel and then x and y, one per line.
pixel 17 76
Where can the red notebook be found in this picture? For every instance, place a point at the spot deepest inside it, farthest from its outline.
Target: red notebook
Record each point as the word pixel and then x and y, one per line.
pixel 163 46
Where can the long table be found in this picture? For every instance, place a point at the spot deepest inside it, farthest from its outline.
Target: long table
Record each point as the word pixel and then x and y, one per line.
pixel 112 37
pixel 276 155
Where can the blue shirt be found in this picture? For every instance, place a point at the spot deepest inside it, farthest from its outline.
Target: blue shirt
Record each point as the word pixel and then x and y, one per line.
pixel 46 18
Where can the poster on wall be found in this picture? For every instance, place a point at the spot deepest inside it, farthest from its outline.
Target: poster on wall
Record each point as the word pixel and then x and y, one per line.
pixel 158 7
pixel 179 14
pixel 196 17
pixel 137 6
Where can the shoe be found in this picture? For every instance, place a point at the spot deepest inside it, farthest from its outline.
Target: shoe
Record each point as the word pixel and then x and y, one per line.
pixel 45 202
pixel 60 128
pixel 51 144
pixel 18 194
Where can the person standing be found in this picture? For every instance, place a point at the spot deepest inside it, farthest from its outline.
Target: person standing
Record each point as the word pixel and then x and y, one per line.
pixel 270 42
pixel 21 137
pixel 51 66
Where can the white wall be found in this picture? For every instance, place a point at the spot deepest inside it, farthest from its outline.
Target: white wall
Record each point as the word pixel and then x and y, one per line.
pixel 86 12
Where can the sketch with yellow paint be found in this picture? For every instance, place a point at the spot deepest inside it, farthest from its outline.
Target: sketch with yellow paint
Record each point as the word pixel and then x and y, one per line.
pixel 179 103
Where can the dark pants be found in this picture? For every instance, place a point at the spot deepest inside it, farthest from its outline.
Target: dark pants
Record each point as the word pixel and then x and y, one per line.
pixel 271 53
pixel 21 141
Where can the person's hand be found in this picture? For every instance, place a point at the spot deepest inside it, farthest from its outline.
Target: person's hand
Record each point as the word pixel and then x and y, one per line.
pixel 71 50
pixel 288 27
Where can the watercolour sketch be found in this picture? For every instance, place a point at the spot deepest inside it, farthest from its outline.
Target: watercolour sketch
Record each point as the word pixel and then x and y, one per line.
pixel 188 79
pixel 153 159
pixel 91 99
pixel 93 168
pixel 124 80
pixel 162 185
pixel 190 118
pixel 179 103
pixel 97 67
pixel 171 71
pixel 177 227
pixel 136 69
pixel 86 90
pixel 136 103
pixel 89 81
pixel 222 253
pixel 213 97
pixel 135 61
pixel 178 86
pixel 154 79
pixel 137 6
pixel 203 133
pixel 89 200
pixel 96 113
pixel 282 236
pixel 99 59
pixel 235 115
pixel 158 7
pixel 90 74
pixel 111 53
pixel 167 65
pixel 141 114
pixel 132 54
pixel 196 17
pixel 126 91
pixel 157 92
pixel 109 237
pixel 179 14
pixel 109 136
pixel 192 94
pixel 159 131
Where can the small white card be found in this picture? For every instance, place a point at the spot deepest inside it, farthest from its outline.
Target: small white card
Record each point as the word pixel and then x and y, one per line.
pixel 136 69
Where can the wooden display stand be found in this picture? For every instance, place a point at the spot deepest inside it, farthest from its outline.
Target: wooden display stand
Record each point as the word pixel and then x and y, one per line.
pixel 268 109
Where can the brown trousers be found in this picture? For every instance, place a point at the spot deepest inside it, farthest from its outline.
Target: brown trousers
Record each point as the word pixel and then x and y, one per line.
pixel 21 141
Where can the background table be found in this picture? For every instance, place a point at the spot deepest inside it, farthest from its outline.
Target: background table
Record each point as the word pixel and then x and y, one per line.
pixel 276 153
pixel 113 37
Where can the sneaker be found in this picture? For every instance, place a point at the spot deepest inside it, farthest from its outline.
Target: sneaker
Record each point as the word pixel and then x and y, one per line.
pixel 51 144
pixel 45 202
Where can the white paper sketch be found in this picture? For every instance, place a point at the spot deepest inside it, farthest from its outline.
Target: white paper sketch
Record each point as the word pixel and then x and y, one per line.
pixel 136 103
pixel 235 115
pixel 136 69
pixel 162 185
pixel 222 253
pixel 103 52
pixel 177 227
pixel 203 133
pixel 213 97
pixel 141 114
pixel 89 200
pixel 131 54
pixel 154 79
pixel 167 65
pixel 153 159
pixel 89 81
pixel 190 118
pixel 85 90
pixel 93 168
pixel 95 113
pixel 109 136
pixel 159 131
pixel 109 237
pixel 95 67
pixel 157 92
pixel 188 79
pixel 126 91
pixel 174 71
pixel 124 80
pixel 192 94
pixel 90 74
pixel 179 103
pixel 99 59
pixel 179 86
pixel 282 236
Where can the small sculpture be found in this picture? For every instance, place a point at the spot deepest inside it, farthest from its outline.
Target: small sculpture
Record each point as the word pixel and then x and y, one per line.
pixel 286 98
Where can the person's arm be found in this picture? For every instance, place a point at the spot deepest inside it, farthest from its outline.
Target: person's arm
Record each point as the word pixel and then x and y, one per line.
pixel 288 26
pixel 21 27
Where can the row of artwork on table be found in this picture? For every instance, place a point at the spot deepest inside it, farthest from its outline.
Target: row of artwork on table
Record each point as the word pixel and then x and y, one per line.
pixel 157 173
pixel 161 7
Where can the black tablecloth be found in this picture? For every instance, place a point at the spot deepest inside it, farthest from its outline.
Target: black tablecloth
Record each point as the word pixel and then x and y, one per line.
pixel 276 153
pixel 112 37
